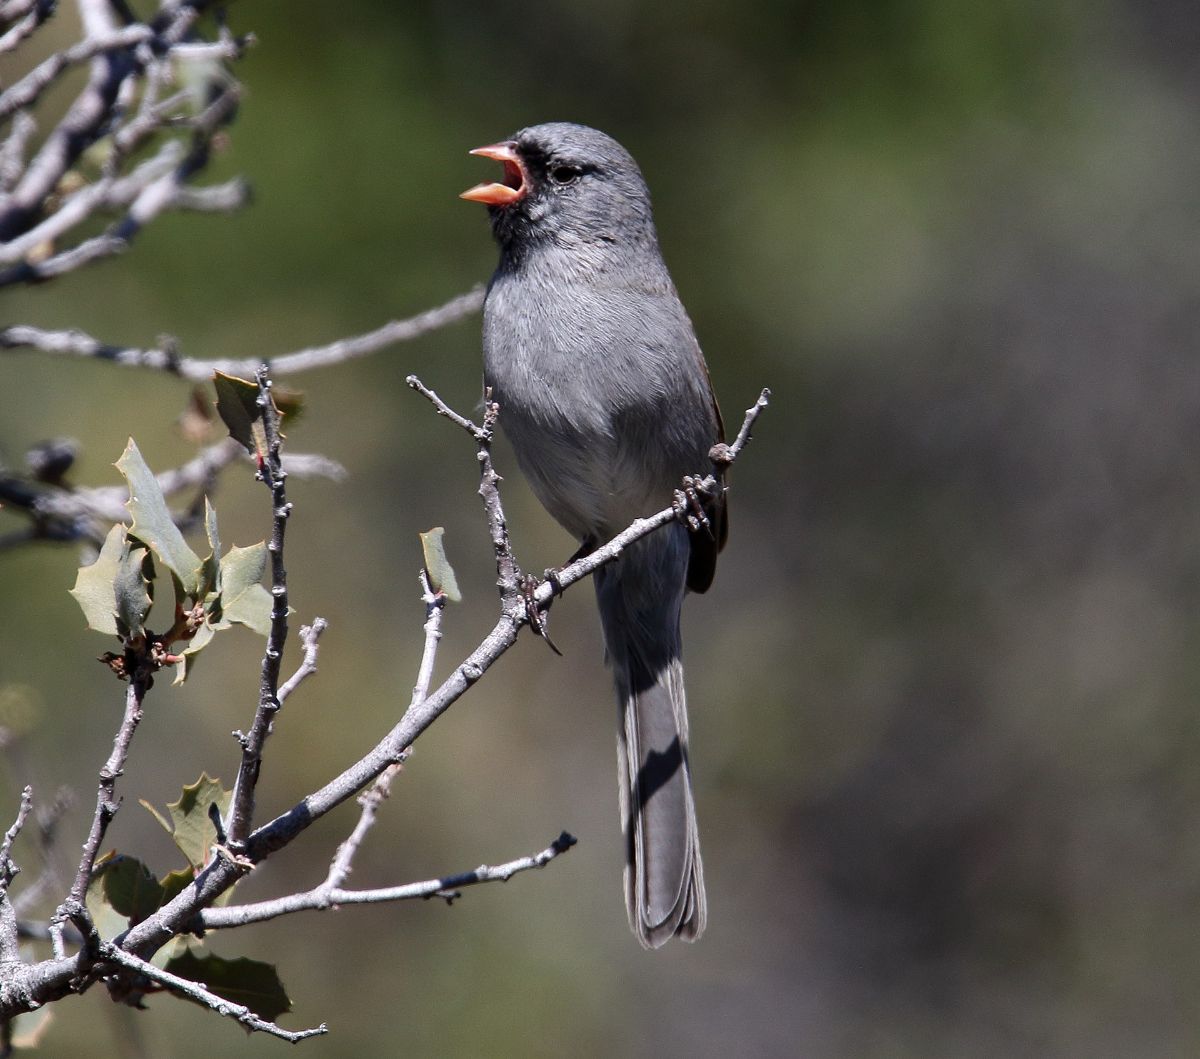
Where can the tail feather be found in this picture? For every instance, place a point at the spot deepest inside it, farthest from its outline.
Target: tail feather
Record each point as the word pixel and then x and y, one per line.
pixel 640 600
pixel 664 876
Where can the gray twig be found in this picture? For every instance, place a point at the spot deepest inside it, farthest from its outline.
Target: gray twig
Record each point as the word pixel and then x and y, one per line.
pixel 310 636
pixel 194 991
pixel 7 868
pixel 26 91
pixel 78 344
pixel 12 153
pixel 273 476
pixel 508 573
pixel 106 804
pixel 322 898
pixel 10 940
pixel 23 19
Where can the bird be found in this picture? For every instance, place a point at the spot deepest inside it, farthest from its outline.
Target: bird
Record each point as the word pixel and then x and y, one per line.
pixel 606 399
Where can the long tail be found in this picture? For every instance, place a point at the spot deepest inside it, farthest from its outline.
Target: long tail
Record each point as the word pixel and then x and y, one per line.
pixel 640 598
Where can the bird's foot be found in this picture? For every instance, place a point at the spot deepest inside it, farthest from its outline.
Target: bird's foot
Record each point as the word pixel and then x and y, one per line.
pixel 533 614
pixel 689 506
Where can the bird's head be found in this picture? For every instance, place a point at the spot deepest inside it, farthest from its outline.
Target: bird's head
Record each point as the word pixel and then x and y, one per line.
pixel 565 185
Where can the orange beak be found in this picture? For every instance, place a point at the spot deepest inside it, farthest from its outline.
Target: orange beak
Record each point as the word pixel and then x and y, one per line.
pixel 513 188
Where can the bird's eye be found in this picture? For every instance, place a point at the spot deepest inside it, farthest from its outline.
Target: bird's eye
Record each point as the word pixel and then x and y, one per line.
pixel 565 174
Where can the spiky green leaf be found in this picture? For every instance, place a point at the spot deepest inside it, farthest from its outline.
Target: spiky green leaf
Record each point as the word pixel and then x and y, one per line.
pixel 237 405
pixel 243 598
pixel 193 831
pixel 212 562
pixel 249 982
pixel 131 888
pixel 152 522
pixel 132 592
pixel 94 590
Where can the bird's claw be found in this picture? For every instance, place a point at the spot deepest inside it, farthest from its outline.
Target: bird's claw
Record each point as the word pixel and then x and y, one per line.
pixel 689 507
pixel 535 616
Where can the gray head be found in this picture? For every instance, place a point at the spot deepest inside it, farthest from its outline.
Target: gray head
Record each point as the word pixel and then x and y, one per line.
pixel 565 185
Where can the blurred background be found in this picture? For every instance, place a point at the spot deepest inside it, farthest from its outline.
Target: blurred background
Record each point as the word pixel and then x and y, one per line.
pixel 944 690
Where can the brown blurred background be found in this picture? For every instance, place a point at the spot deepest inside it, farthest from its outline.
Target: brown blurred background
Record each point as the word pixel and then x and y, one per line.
pixel 943 692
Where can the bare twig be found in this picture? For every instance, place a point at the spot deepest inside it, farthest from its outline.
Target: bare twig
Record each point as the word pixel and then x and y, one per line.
pixel 477 432
pixel 343 859
pixel 309 637
pixel 435 606
pixel 7 868
pixel 322 898
pixel 149 195
pixel 508 573
pixel 47 820
pixel 106 805
pixel 12 154
pixel 27 90
pixel 226 1008
pixel 23 18
pixel 80 206
pixel 78 344
pixel 273 475
pixel 10 940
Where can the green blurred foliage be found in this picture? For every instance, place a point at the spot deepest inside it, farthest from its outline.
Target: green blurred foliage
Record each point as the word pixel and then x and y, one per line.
pixel 943 689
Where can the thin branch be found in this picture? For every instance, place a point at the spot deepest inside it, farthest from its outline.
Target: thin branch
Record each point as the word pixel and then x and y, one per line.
pixel 30 15
pixel 77 344
pixel 10 939
pixel 12 154
pixel 435 607
pixel 78 207
pixel 226 1008
pixel 274 477
pixel 477 432
pixel 11 10
pixel 7 868
pixel 508 573
pixel 321 898
pixel 309 637
pixel 343 860
pixel 106 805
pixel 26 91
pixel 48 819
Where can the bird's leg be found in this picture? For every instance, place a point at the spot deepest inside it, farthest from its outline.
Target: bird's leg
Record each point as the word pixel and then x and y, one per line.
pixel 536 617
pixel 689 507
pixel 529 586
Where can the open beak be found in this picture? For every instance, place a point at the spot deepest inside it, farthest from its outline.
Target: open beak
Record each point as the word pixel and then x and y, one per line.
pixel 512 189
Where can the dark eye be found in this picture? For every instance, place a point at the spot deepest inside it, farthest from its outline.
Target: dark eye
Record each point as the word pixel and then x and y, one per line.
pixel 565 174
